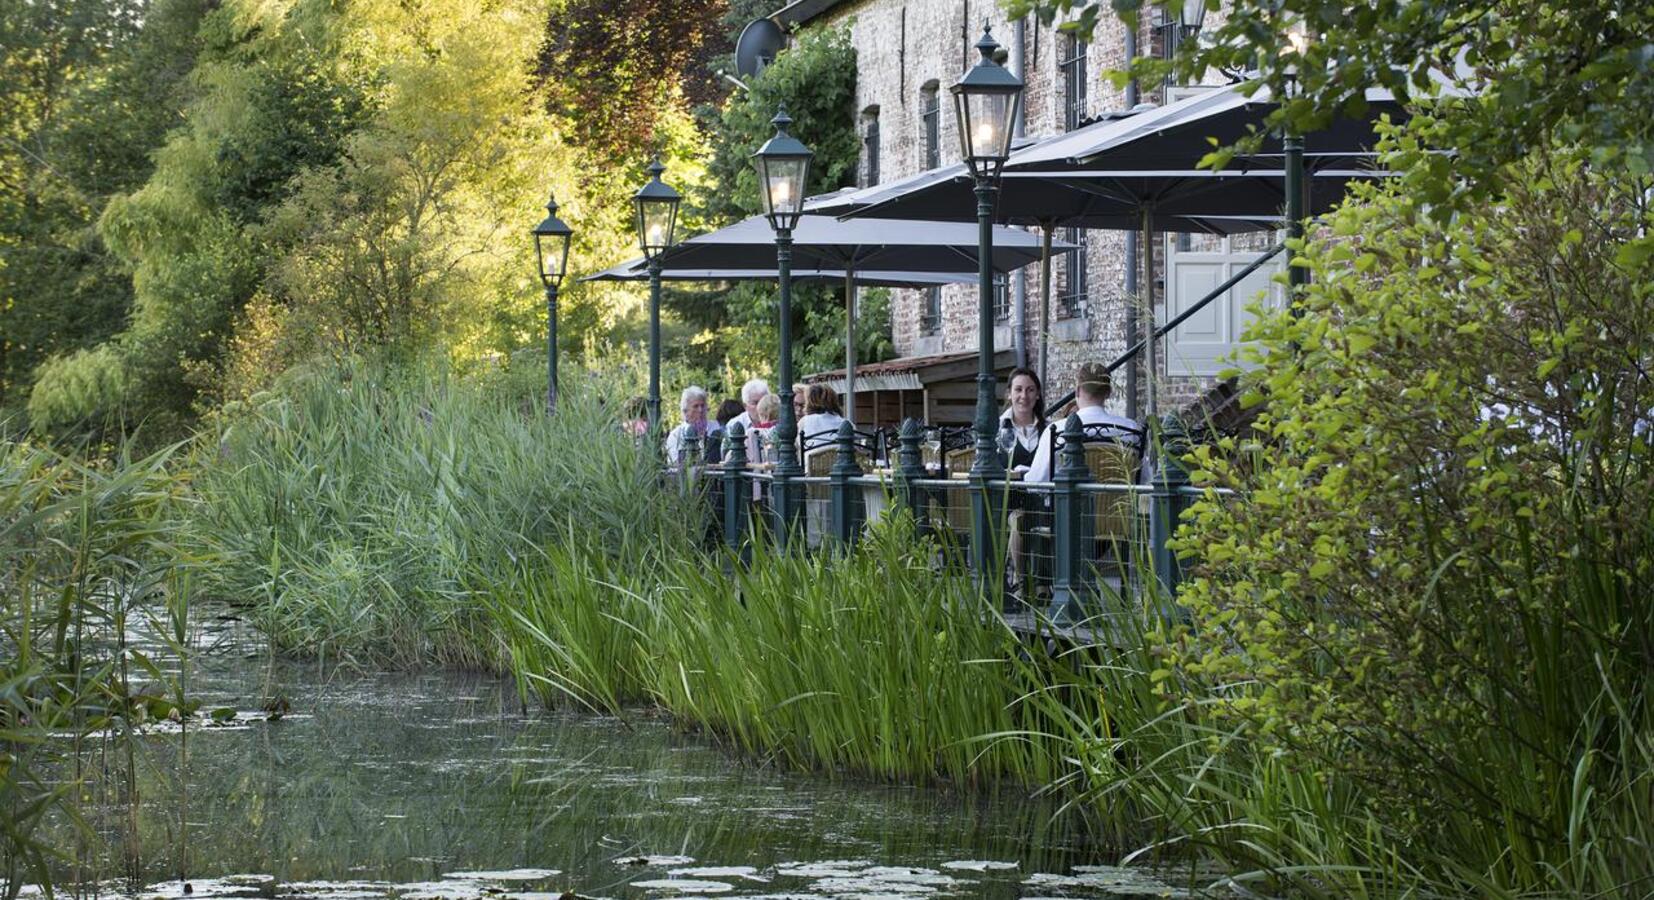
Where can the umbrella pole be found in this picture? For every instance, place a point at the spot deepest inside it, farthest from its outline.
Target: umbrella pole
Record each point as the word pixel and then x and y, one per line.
pixel 1044 302
pixel 1151 401
pixel 850 344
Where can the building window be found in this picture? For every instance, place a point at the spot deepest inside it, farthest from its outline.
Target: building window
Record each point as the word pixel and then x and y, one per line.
pixel 1071 304
pixel 930 115
pixel 870 146
pixel 1002 296
pixel 930 314
pixel 1072 65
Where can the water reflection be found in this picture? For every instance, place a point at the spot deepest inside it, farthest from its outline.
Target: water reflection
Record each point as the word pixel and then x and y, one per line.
pixel 439 786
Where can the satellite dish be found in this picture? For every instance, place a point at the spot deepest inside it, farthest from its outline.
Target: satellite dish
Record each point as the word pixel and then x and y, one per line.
pixel 757 46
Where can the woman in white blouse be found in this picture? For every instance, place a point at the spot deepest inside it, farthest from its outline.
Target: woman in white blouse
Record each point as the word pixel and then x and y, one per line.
pixel 1025 415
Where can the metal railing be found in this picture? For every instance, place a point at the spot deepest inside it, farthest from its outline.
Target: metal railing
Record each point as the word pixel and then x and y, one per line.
pixel 1072 546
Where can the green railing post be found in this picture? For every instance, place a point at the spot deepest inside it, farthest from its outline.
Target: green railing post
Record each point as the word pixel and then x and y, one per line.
pixel 1071 529
pixel 910 467
pixel 1167 504
pixel 737 496
pixel 846 498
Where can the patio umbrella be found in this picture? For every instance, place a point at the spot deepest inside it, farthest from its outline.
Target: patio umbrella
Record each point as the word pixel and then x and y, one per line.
pixel 1179 134
pixel 1138 172
pixel 823 243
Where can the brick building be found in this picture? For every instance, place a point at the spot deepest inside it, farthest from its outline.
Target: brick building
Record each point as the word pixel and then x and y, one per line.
pixel 909 52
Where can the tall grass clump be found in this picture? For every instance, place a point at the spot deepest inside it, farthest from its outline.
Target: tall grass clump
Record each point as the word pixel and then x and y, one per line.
pixel 88 552
pixel 362 510
pixel 1422 633
pixel 876 661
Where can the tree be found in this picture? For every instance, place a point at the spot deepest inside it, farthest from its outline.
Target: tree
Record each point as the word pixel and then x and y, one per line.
pixel 90 90
pixel 816 80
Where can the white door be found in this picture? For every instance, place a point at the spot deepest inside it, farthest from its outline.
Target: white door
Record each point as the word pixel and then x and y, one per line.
pixel 1195 265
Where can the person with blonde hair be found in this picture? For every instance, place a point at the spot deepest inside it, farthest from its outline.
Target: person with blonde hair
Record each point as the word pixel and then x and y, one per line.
pixel 1092 386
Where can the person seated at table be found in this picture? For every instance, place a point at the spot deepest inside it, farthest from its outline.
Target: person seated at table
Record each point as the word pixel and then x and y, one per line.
pixel 760 447
pixel 636 421
pixel 1092 387
pixel 695 426
pixel 822 417
pixel 751 392
pixel 1024 416
pixel 728 410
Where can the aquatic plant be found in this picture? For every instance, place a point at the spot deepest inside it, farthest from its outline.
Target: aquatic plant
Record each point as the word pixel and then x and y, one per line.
pixel 363 510
pixel 86 551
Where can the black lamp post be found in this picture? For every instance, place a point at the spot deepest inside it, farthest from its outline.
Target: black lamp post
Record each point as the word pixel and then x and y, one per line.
pixel 783 166
pixel 551 251
pixel 986 100
pixel 656 218
pixel 1292 146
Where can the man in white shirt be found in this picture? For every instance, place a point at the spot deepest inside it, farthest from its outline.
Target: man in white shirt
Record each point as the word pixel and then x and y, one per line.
pixel 1092 386
pixel 751 392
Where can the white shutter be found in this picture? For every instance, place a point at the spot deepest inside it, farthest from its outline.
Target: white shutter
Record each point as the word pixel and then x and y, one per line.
pixel 1201 346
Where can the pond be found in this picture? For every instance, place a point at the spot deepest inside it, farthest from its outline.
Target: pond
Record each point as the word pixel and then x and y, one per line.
pixel 442 786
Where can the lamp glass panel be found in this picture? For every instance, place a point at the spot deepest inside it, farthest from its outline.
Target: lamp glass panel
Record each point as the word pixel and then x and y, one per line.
pixel 785 185
pixel 656 220
pixel 985 124
pixel 554 255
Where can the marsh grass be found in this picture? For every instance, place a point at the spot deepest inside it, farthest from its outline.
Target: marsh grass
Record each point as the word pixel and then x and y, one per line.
pixel 362 511
pixel 88 551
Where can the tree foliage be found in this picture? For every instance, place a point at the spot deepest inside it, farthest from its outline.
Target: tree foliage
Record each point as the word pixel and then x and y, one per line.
pixel 815 79
pixel 89 89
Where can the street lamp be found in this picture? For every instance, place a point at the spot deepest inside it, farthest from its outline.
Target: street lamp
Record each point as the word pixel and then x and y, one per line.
pixel 656 217
pixel 1190 16
pixel 551 252
pixel 783 166
pixel 1292 147
pixel 986 99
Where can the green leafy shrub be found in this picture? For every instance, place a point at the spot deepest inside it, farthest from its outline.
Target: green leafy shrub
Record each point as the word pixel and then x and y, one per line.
pixel 1434 589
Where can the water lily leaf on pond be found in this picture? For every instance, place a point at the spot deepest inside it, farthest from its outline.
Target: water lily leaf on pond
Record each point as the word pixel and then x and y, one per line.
pixel 506 875
pixel 654 860
pixel 978 865
pixel 827 868
pixel 747 872
pixel 223 714
pixel 1108 880
pixel 685 886
pixel 231 886
pixel 446 890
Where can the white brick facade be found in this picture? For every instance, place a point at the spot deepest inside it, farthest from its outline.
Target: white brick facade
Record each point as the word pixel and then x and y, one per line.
pixel 903 48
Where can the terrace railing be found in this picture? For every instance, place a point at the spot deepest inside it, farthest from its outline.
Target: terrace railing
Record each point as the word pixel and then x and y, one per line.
pixel 1075 547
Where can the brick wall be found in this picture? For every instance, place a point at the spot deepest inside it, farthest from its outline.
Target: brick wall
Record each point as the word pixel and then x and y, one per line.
pixel 904 45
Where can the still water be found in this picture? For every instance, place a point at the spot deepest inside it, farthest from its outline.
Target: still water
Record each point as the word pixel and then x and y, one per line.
pixel 443 786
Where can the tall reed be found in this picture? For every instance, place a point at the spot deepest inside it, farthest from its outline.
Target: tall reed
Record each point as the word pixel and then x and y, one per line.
pixel 87 551
pixel 361 510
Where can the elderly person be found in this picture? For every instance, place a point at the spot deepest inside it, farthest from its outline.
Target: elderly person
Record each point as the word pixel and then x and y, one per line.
pixel 1092 387
pixel 821 416
pixel 751 393
pixel 693 405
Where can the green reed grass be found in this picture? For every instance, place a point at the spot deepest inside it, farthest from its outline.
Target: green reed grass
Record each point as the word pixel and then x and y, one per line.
pixel 362 510
pixel 88 550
